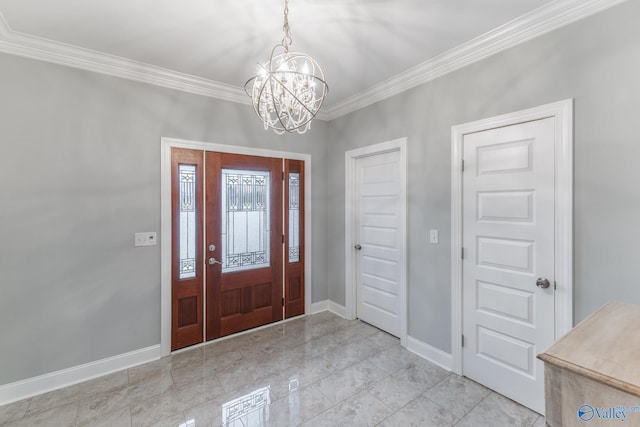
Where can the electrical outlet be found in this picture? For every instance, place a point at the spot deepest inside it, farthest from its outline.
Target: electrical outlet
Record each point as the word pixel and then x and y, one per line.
pixel 145 239
pixel 433 236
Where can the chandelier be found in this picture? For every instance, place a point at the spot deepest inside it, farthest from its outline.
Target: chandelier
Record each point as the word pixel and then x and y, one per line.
pixel 289 88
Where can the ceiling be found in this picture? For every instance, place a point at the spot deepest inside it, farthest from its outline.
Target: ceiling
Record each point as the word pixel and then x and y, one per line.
pixel 359 43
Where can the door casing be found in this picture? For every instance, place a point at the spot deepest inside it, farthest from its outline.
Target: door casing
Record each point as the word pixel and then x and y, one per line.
pixel 165 220
pixel 562 111
pixel 351 157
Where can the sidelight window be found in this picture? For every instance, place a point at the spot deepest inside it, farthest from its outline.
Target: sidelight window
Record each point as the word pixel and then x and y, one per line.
pixel 294 217
pixel 187 262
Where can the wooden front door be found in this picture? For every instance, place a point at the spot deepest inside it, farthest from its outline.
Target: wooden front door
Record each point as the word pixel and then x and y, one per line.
pixel 244 242
pixel 229 237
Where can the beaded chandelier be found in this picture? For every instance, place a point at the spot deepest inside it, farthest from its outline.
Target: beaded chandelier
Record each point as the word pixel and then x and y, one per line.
pixel 289 88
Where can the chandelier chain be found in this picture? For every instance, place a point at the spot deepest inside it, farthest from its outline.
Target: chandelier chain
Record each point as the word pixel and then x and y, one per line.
pixel 286 41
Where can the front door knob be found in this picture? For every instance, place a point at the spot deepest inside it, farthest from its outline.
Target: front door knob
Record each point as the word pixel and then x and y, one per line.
pixel 213 261
pixel 543 283
pixel 358 247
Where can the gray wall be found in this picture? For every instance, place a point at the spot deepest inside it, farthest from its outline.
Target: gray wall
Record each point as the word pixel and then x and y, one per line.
pixel 596 62
pixel 79 174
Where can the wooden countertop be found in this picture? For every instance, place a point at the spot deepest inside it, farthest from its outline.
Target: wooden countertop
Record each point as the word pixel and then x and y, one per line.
pixel 604 347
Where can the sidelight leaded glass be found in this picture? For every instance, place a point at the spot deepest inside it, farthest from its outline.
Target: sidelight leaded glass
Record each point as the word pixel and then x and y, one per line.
pixel 187 263
pixel 294 217
pixel 245 220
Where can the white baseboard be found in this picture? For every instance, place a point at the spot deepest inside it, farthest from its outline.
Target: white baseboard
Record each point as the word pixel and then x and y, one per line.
pixel 328 305
pixel 338 309
pixel 43 383
pixel 320 306
pixel 432 354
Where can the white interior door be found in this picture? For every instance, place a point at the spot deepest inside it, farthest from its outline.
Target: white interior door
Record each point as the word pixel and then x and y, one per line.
pixel 508 243
pixel 380 207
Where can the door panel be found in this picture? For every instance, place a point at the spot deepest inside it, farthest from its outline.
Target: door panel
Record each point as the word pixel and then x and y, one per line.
pixel 378 261
pixel 508 240
pixel 186 277
pixel 294 228
pixel 244 225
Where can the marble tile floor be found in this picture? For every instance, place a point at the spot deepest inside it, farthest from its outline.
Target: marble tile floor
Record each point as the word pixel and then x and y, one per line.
pixel 317 370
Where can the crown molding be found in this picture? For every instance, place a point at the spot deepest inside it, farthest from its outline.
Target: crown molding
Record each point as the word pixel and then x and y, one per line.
pixel 536 23
pixel 29 46
pixel 4 27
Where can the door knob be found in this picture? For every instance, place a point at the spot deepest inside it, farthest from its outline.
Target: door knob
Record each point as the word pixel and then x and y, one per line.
pixel 357 247
pixel 542 283
pixel 213 261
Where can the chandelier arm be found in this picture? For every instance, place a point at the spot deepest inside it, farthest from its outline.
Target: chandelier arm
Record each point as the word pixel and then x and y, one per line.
pixel 294 95
pixel 267 72
pixel 246 84
pixel 255 106
pixel 296 98
pixel 273 99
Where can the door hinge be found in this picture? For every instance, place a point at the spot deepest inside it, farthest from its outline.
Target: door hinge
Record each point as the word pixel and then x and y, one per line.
pixel 283 175
pixel 283 238
pixel 555 285
pixel 461 253
pixel 462 340
pixel 462 167
pixel 283 302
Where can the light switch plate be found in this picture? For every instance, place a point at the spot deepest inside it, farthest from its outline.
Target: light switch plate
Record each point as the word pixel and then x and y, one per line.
pixel 433 236
pixel 145 239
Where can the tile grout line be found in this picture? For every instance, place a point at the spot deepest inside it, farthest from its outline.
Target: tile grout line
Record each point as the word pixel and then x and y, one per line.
pixel 471 409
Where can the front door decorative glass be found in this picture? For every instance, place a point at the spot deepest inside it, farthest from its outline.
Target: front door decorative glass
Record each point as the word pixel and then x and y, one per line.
pixel 245 220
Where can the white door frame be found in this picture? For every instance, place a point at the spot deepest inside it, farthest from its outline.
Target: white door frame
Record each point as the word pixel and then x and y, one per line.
pixel 351 157
pixel 563 113
pixel 165 221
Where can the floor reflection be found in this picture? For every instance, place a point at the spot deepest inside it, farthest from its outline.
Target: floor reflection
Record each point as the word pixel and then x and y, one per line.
pixel 252 409
pixel 316 370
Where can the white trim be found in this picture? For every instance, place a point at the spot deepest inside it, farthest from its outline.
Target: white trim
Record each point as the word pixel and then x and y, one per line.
pixel 328 305
pixel 430 353
pixel 337 309
pixel 543 20
pixel 165 248
pixel 563 113
pixel 4 28
pixel 165 220
pixel 319 307
pixel 351 157
pixel 547 18
pixel 63 378
pixel 33 47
